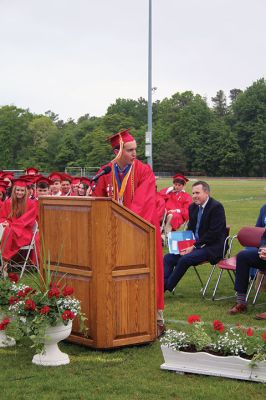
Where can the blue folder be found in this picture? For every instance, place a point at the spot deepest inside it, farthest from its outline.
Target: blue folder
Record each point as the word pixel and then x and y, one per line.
pixel 176 236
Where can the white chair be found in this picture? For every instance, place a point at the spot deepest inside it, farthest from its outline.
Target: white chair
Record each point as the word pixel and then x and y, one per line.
pixel 24 254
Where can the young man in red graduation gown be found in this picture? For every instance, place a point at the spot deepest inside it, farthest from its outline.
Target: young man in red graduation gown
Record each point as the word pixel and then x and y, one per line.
pixel 132 184
pixel 177 202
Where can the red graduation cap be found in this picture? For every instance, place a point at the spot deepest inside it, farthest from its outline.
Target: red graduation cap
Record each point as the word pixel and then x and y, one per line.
pixel 85 180
pixel 181 177
pixel 120 137
pixel 9 175
pixel 75 181
pixel 21 182
pixel 31 171
pixel 55 176
pixel 30 179
pixel 43 179
pixel 66 177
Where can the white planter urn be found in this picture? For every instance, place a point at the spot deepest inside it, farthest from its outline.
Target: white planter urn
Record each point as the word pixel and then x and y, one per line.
pixel 5 341
pixel 202 363
pixel 51 354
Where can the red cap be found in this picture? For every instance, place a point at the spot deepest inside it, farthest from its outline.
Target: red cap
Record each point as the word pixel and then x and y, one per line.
pixel 66 177
pixel 85 180
pixel 75 180
pixel 30 179
pixel 123 136
pixel 31 171
pixel 21 182
pixel 9 175
pixel 180 176
pixel 44 180
pixel 55 176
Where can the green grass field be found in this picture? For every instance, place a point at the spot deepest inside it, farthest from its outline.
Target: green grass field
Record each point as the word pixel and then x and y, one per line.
pixel 134 373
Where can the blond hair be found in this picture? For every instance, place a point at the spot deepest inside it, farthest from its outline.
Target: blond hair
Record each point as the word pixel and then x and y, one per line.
pixel 18 206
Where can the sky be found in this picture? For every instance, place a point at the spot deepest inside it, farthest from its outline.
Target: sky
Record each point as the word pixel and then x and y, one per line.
pixel 76 57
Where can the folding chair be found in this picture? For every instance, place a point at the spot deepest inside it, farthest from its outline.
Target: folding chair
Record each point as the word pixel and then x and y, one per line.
pixel 248 237
pixel 24 254
pixel 225 249
pixel 260 282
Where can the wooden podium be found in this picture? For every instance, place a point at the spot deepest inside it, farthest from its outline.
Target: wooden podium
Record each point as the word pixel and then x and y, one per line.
pixel 108 254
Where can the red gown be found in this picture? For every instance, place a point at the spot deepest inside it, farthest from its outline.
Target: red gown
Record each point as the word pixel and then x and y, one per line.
pixel 177 203
pixel 160 205
pixel 19 231
pixel 139 197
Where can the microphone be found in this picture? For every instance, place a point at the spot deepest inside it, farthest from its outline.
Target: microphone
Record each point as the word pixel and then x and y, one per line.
pixel 104 171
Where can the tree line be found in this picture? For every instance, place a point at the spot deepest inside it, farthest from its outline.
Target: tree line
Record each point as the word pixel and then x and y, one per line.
pixel 227 138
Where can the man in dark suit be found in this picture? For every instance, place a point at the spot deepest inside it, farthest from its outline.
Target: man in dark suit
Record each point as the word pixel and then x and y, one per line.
pixel 207 221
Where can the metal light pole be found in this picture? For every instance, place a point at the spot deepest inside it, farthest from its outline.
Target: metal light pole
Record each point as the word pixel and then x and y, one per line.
pixel 148 137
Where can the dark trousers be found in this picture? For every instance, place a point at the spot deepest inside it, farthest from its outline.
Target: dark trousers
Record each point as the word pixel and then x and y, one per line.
pixel 245 260
pixel 175 266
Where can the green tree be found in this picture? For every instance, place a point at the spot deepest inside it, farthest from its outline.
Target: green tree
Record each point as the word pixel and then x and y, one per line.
pixel 248 122
pixel 14 136
pixel 220 105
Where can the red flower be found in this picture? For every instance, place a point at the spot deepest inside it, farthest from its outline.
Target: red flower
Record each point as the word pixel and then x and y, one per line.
pixel 13 277
pixel 12 300
pixel 54 292
pixel 218 325
pixel 68 291
pixel 21 293
pixel 67 314
pixel 264 336
pixel 4 323
pixel 193 318
pixel 27 290
pixel 45 310
pixel 249 332
pixel 30 305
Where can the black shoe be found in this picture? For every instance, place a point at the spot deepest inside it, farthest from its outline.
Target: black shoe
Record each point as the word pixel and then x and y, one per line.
pixel 160 329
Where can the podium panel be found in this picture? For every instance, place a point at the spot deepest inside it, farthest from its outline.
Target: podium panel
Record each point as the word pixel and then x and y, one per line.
pixel 107 253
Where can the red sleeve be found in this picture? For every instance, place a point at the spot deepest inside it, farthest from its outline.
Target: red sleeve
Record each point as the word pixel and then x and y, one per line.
pixel 144 202
pixel 5 210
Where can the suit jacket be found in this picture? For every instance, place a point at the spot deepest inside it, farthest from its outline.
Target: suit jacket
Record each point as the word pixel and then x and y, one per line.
pixel 212 229
pixel 263 239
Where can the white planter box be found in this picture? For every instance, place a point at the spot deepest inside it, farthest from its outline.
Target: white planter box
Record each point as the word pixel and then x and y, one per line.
pixel 207 364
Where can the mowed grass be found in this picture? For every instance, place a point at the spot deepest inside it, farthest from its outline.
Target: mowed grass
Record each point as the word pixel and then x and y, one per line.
pixel 134 373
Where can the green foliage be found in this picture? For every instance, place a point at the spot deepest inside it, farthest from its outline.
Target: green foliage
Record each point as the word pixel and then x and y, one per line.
pixel 188 134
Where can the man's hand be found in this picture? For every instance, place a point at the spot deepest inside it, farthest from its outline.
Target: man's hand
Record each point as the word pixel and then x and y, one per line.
pixel 262 253
pixel 187 251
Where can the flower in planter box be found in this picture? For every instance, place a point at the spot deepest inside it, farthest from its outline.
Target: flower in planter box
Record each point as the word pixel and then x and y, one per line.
pixel 217 339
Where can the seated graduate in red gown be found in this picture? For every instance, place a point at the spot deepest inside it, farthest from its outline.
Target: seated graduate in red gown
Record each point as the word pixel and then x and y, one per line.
pixel 132 183
pixel 66 189
pixel 85 187
pixel 55 186
pixel 3 186
pixel 17 216
pixel 177 202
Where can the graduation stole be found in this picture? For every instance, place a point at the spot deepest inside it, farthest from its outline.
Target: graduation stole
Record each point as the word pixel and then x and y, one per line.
pixel 120 187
